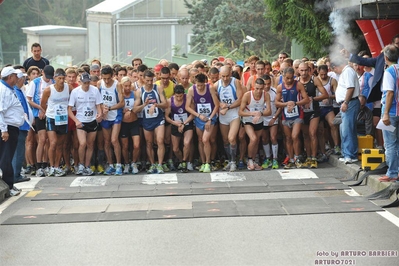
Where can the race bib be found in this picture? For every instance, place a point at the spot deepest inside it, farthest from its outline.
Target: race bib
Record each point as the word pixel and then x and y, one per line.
pixel 129 103
pixel 180 117
pixel 204 109
pixel 293 114
pixel 309 109
pixel 227 97
pixel 256 109
pixel 88 114
pixel 61 117
pixel 147 112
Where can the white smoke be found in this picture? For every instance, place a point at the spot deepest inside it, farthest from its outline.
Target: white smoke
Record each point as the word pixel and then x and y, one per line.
pixel 340 22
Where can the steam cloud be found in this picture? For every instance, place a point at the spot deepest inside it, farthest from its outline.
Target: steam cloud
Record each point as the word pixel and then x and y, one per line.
pixel 340 22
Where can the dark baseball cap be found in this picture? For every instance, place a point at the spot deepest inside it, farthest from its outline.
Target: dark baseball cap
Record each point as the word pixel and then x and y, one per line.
pixel 85 77
pixel 48 72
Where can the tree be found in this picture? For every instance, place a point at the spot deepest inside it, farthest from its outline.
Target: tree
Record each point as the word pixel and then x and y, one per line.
pixel 16 14
pixel 60 12
pixel 307 21
pixel 224 24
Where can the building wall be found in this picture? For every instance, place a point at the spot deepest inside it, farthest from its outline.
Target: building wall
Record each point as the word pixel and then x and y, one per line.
pixel 100 37
pixel 73 46
pixel 153 40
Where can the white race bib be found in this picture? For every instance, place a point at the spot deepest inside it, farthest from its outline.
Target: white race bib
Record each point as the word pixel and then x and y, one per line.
pixel 294 113
pixel 61 117
pixel 147 112
pixel 309 109
pixel 204 109
pixel 180 117
pixel 88 114
pixel 129 103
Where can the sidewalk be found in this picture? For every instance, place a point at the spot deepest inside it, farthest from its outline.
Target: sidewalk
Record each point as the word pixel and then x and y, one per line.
pixel 371 181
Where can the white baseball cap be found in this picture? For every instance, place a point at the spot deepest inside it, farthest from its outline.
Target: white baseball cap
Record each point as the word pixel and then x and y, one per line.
pixel 5 72
pixel 20 74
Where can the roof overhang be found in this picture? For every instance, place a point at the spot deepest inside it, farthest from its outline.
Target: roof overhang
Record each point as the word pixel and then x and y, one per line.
pixel 372 9
pixel 54 30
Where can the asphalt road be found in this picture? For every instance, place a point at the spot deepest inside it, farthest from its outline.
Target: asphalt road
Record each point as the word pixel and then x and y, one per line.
pixel 285 225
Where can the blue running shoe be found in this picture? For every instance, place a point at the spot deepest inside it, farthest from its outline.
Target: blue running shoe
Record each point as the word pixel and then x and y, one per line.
pixel 110 170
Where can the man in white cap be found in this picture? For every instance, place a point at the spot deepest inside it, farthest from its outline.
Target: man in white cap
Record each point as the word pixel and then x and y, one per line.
pixel 19 155
pixel 11 118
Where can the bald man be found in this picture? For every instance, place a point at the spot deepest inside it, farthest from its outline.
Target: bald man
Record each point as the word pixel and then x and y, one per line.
pixel 229 92
pixel 316 93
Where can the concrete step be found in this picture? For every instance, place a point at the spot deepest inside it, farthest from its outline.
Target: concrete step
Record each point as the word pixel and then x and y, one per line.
pixel 371 181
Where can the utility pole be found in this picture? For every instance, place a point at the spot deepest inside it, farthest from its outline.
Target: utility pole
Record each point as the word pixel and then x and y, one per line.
pixel 1 54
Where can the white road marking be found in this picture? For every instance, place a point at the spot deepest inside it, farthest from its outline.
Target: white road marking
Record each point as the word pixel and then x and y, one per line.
pixel 10 201
pixel 351 192
pixel 25 187
pixel 29 185
pixel 160 179
pixel 390 217
pixel 296 174
pixel 89 181
pixel 387 215
pixel 227 177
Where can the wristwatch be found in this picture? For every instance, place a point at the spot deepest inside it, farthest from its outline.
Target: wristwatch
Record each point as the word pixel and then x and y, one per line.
pixel 346 102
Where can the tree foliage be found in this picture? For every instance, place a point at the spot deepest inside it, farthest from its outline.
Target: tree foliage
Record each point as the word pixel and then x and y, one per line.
pixel 16 14
pixel 223 24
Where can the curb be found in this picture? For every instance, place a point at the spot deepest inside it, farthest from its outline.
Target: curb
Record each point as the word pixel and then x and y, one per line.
pixel 371 181
pixel 4 191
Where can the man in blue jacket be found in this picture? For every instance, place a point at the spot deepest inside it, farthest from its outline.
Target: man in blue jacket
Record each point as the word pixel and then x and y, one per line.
pixel 379 65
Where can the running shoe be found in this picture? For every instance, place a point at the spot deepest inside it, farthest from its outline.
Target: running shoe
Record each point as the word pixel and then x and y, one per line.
pixel 152 169
pixel 313 163
pixel 289 165
pixel 160 169
pixel 337 150
pixel 59 172
pixel 233 167
pixel 241 165
pixel 110 170
pixel 100 169
pixel 190 166
pixel 299 164
pixel 126 169
pixel 267 163
pixel 80 169
pixel 286 160
pixel 87 171
pixel 93 168
pixel 307 163
pixel 171 165
pixel 165 167
pixel 118 170
pixel 227 167
pixel 275 164
pixel 40 172
pixel 323 158
pixel 134 167
pixel 51 171
pixel 207 168
pixel 14 191
pixel 183 168
pixel 202 167
pixel 250 165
